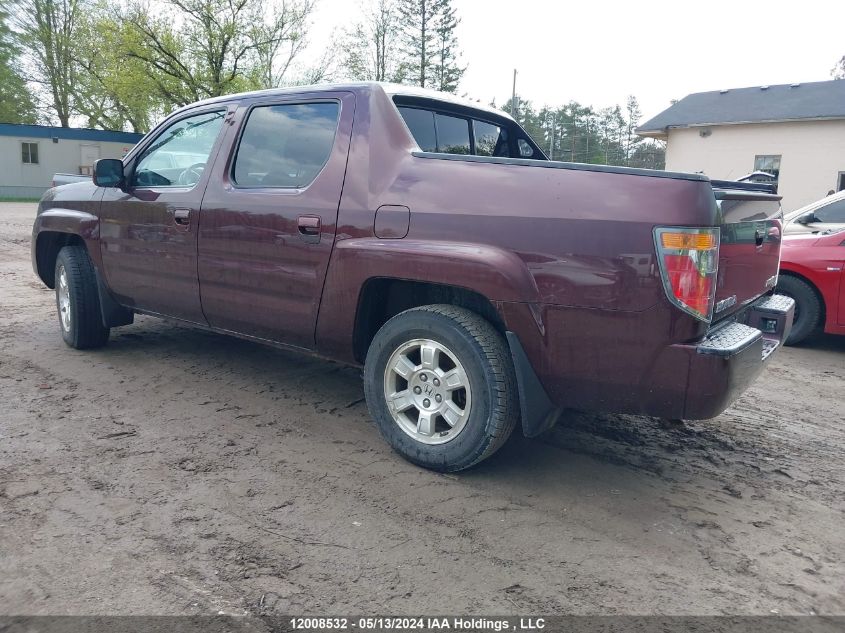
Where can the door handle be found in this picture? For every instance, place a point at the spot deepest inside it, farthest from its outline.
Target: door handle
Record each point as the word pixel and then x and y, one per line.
pixel 182 217
pixel 309 228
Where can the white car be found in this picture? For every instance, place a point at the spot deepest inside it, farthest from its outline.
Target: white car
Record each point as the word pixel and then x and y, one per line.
pixel 821 215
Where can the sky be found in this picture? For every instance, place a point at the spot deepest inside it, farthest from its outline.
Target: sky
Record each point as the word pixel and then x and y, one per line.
pixel 599 52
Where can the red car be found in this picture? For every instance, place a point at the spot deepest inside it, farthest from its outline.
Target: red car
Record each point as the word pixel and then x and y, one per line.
pixel 812 271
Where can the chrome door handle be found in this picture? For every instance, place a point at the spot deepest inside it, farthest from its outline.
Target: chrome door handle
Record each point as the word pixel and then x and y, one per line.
pixel 309 228
pixel 182 217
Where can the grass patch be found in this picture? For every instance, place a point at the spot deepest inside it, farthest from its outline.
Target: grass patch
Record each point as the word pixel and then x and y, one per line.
pixel 19 199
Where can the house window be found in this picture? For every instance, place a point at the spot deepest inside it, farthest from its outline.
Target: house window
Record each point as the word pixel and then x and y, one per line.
pixel 769 164
pixel 29 153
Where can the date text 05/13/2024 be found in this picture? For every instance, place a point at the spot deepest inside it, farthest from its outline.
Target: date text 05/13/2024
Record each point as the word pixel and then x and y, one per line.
pixel 417 624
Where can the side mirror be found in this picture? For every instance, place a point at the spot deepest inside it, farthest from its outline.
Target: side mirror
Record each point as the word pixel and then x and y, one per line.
pixel 108 172
pixel 806 218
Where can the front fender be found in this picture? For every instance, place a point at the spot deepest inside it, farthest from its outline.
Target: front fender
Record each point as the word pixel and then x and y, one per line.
pixel 492 272
pixel 53 227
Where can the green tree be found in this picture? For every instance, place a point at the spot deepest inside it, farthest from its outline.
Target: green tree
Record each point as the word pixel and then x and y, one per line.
pixel 208 48
pixel 16 101
pixel 838 71
pixel 370 51
pixel 581 134
pixel 430 43
pixel 113 90
pixel 419 32
pixel 279 41
pixel 447 71
pixel 649 155
pixel 633 116
pixel 48 29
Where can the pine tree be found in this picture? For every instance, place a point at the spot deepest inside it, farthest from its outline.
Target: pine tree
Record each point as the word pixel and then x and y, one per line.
pixel 632 140
pixel 369 46
pixel 430 43
pixel 838 71
pixel 419 23
pixel 16 102
pixel 447 71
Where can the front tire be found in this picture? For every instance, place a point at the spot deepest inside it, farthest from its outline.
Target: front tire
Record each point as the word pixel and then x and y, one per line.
pixel 440 384
pixel 808 308
pixel 77 300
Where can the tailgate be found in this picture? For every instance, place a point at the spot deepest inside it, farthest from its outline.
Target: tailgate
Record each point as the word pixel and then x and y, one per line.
pixel 749 251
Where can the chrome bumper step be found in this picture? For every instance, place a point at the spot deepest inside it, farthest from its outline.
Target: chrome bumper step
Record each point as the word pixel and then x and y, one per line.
pixel 769 319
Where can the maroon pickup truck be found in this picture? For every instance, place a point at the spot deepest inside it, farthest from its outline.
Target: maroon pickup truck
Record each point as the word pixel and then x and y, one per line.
pixel 430 240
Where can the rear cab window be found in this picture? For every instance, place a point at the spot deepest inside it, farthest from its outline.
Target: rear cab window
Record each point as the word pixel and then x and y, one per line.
pixel 285 145
pixel 453 129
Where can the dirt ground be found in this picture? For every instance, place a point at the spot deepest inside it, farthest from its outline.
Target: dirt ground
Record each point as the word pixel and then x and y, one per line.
pixel 182 472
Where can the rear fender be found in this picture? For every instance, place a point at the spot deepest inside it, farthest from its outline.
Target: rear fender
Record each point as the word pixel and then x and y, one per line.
pixel 494 273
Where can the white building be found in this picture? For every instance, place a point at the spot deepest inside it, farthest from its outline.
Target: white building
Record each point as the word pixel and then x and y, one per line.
pixel 795 131
pixel 31 154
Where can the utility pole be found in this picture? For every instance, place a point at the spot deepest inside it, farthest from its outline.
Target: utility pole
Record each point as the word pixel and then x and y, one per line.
pixel 513 98
pixel 552 139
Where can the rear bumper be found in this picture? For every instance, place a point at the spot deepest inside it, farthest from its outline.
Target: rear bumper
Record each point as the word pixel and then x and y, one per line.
pixel 731 356
pixel 623 364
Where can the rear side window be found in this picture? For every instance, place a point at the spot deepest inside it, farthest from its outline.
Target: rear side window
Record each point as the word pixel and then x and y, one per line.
pixel 525 149
pixel 421 124
pixel 285 145
pixel 490 140
pixel 833 212
pixel 452 134
pixel 440 132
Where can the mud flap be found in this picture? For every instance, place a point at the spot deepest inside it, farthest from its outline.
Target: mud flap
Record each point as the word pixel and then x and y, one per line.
pixel 539 413
pixel 112 313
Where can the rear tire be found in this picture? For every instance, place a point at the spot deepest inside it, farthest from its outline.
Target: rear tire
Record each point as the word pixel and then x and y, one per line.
pixel 451 384
pixel 77 300
pixel 808 308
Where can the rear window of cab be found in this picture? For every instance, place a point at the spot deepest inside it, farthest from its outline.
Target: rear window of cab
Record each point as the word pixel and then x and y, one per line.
pixel 452 133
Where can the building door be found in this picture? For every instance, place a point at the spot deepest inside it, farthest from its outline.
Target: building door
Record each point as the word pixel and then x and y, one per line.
pixel 88 155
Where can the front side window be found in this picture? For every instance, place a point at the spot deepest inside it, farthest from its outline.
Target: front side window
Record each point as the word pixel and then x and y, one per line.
pixel 833 213
pixel 769 164
pixel 285 145
pixel 29 153
pixel 178 156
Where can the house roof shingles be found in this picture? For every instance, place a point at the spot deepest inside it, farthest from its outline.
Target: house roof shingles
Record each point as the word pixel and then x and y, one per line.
pixel 786 102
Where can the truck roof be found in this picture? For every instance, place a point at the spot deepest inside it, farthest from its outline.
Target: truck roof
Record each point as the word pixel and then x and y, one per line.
pixel 389 89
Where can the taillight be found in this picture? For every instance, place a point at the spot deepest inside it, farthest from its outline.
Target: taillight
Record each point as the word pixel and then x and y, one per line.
pixel 688 261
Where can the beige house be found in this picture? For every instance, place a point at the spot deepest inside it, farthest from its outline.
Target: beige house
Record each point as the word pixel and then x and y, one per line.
pixel 31 154
pixel 794 131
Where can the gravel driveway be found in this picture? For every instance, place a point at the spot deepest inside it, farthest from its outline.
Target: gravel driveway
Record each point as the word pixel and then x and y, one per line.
pixel 182 472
